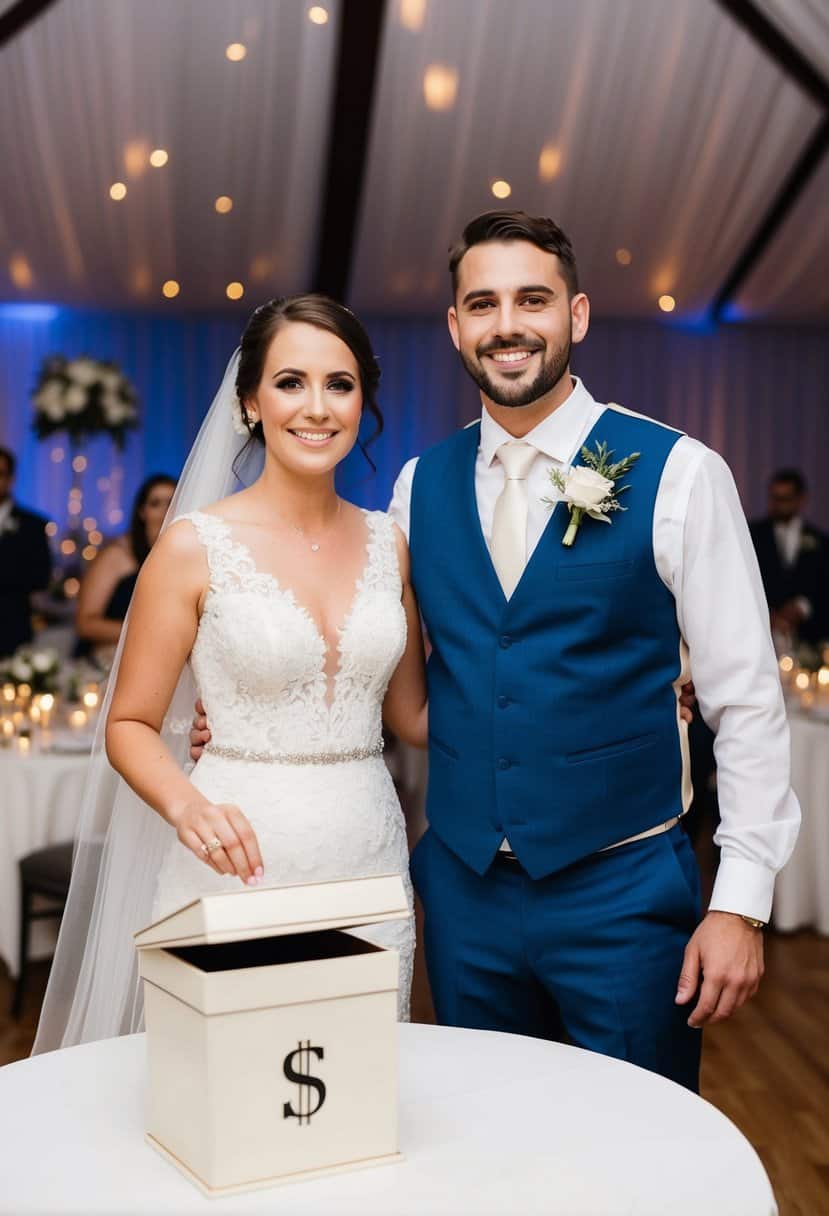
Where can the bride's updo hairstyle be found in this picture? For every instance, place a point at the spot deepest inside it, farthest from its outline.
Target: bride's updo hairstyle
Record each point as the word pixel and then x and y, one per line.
pixel 323 313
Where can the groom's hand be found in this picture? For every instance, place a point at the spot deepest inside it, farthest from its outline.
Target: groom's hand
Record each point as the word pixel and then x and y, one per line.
pixel 199 732
pixel 728 954
pixel 687 701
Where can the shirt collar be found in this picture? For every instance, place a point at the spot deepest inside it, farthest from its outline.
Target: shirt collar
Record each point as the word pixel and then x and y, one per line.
pixel 6 510
pixel 556 436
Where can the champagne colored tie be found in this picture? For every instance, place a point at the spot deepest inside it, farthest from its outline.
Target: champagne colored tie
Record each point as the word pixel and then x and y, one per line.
pixel 509 523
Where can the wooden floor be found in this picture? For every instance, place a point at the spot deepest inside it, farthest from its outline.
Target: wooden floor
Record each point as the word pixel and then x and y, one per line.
pixel 767 1068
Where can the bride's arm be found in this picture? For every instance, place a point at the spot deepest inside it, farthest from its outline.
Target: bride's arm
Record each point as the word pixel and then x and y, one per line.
pixel 163 621
pixel 405 709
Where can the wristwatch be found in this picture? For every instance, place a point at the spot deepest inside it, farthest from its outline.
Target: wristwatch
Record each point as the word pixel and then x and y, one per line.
pixel 751 920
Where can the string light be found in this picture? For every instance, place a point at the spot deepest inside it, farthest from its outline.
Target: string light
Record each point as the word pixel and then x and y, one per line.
pixel 549 162
pixel 501 189
pixel 234 291
pixel 667 303
pixel 624 257
pixel 117 191
pixel 170 289
pixel 236 52
pixel 318 15
pixel 223 204
pixel 158 157
pixel 440 86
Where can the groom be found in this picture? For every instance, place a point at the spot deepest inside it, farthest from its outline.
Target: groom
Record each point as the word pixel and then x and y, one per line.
pixel 558 886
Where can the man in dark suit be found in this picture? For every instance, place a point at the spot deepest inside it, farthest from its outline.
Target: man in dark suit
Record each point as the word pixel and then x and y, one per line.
pixel 794 561
pixel 25 561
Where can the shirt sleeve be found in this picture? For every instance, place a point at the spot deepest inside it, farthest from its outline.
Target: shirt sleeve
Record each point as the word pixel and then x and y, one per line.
pixel 705 555
pixel 401 498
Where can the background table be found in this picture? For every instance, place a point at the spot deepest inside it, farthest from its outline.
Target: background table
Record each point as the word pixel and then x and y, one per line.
pixel 801 894
pixel 40 800
pixel 490 1123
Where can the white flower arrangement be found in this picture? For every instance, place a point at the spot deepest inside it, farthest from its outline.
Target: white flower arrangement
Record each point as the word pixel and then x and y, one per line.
pixel 590 489
pixel 84 397
pixel 39 668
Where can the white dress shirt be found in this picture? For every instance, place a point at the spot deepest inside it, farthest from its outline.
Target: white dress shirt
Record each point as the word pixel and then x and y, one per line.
pixel 787 538
pixel 705 557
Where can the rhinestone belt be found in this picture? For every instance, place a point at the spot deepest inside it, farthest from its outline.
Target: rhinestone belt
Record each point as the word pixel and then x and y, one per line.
pixel 241 753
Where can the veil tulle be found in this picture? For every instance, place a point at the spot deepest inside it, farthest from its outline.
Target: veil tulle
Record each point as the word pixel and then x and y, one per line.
pixel 94 990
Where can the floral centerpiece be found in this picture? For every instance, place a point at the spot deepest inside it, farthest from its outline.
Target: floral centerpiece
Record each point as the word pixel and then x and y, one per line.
pixel 39 668
pixel 84 397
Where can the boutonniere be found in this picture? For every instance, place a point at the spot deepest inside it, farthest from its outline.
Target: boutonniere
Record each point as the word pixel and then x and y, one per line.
pixel 808 542
pixel 591 488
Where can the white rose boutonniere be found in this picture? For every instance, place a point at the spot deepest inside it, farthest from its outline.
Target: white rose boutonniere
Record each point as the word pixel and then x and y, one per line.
pixel 591 488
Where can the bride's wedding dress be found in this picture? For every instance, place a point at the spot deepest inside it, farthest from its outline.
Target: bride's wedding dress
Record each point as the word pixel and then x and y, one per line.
pixel 302 761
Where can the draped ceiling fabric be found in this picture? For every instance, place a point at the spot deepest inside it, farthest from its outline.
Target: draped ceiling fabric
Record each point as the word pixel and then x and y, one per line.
pixel 90 88
pixel 668 133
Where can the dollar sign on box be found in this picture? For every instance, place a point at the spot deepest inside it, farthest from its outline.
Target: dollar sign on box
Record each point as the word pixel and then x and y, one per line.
pixel 301 1076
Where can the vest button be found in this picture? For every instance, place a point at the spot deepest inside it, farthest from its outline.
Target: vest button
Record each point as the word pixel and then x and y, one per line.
pixel 504 763
pixel 503 702
pixel 505 642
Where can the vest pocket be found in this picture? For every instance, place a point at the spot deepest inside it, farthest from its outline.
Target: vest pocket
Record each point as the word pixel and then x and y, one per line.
pixel 443 747
pixel 594 571
pixel 619 748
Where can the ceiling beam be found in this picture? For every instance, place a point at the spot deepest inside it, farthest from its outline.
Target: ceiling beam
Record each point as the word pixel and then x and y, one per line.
pixel 18 16
pixel 361 26
pixel 800 70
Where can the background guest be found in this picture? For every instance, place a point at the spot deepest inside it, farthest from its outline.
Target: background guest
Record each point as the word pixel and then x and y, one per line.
pixel 25 561
pixel 109 582
pixel 794 561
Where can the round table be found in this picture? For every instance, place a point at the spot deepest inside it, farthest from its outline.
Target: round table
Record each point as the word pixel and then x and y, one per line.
pixel 489 1123
pixel 41 801
pixel 801 893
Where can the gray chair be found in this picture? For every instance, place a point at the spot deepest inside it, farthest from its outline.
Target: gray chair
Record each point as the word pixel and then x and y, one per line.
pixel 45 872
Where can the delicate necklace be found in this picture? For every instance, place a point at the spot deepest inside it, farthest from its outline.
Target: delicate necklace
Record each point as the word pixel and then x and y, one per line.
pixel 315 544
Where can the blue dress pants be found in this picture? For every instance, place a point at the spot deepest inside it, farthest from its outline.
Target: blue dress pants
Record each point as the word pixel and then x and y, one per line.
pixel 594 950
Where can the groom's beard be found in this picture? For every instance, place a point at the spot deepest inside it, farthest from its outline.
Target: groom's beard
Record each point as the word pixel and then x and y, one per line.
pixel 554 365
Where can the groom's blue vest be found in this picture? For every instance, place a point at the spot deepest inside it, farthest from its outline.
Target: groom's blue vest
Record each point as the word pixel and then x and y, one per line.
pixel 553 718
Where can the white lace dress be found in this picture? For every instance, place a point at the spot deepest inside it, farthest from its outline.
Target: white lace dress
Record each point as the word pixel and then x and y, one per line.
pixel 259 664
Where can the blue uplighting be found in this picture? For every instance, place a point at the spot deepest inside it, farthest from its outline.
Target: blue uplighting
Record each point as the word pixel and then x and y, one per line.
pixel 29 312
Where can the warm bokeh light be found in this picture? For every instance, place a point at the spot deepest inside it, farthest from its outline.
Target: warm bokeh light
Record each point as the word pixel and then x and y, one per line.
pixel 667 303
pixel 501 189
pixel 47 701
pixel 624 257
pixel 79 463
pixel 71 588
pixel 802 680
pixel 117 191
pixel 57 455
pixel 823 677
pixel 51 528
pixel 236 51
pixel 158 157
pixel 549 162
pixel 787 663
pixel 74 507
pixel 223 204
pixel 88 552
pixel 20 272
pixel 234 291
pixel 170 289
pixel 440 86
pixel 116 516
pixel 90 699
pixel 67 547
pixel 103 484
pixel 136 153
pixel 95 537
pixel 412 13
pixel 75 492
pixel 318 15
pixel 89 523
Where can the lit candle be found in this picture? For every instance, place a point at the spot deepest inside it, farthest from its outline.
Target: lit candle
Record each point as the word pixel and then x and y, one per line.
pixel 9 693
pixel 7 731
pixel 34 713
pixel 78 719
pixel 47 704
pixel 90 700
pixel 24 744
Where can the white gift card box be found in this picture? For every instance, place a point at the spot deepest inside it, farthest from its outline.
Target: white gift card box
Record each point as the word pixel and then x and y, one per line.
pixel 272 1034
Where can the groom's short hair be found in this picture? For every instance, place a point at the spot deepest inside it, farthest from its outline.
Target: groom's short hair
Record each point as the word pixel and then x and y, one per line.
pixel 517 226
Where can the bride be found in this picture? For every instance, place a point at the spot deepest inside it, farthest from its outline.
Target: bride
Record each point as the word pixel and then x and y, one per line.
pixel 294 612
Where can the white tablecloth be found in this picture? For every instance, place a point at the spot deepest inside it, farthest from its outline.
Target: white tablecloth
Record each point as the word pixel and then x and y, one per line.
pixel 801 897
pixel 40 800
pixel 490 1124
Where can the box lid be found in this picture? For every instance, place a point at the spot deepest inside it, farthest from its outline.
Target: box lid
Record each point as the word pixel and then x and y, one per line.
pixel 243 915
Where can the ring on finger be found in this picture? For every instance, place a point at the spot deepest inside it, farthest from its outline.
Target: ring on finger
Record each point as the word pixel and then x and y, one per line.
pixel 211 845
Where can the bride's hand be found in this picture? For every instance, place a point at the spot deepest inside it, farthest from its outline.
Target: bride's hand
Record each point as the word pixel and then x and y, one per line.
pixel 201 823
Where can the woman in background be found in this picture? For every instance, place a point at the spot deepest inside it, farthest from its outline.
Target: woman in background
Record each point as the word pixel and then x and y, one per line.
pixel 108 584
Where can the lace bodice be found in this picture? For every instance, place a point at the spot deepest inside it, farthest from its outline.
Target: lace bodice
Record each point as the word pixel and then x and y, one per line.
pixel 259 658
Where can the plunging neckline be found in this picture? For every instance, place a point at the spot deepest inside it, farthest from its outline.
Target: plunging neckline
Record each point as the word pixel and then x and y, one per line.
pixel 272 583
